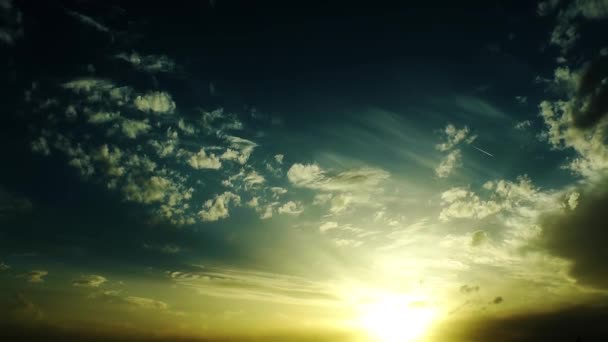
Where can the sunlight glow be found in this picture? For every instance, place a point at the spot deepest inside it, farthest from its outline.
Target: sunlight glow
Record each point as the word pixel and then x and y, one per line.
pixel 396 319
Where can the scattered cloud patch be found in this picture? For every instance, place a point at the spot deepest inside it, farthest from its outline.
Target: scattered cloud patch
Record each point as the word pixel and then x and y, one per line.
pixel 92 280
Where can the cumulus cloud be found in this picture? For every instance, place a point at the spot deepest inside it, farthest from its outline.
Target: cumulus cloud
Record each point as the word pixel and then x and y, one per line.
pixel 157 102
pixel 291 208
pixel 448 164
pixel 240 149
pixel 153 189
pixel 454 136
pixel 133 128
pixel 92 280
pixel 202 160
pixel 217 208
pixel 103 117
pixel 459 202
pixel 279 158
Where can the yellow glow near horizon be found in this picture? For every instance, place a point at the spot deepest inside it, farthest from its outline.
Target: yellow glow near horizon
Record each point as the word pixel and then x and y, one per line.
pixel 396 319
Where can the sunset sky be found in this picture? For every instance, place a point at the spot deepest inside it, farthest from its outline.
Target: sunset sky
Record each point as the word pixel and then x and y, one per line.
pixel 301 170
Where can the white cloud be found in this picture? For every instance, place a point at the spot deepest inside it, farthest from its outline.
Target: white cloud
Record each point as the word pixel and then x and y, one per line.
pixel 92 280
pixel 146 303
pixel 305 175
pixel 240 149
pixel 252 179
pixel 167 147
pixel 291 208
pixel 103 117
pixel 313 177
pixel 448 164
pixel 277 191
pixel 156 102
pixel 132 128
pixel 4 266
pixel 340 202
pixel 454 136
pixel 279 158
pixel 216 209
pixel 201 160
pixel 327 226
pixel 147 190
pixel 254 202
pixel 505 196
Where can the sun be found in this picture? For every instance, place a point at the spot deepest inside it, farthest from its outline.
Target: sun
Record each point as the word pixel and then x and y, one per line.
pixel 396 319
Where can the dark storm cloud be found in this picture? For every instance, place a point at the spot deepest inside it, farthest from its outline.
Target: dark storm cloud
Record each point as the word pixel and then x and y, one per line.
pixel 497 300
pixel 593 94
pixel 581 323
pixel 580 235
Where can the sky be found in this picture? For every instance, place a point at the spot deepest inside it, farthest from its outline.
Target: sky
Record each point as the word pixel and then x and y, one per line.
pixel 304 171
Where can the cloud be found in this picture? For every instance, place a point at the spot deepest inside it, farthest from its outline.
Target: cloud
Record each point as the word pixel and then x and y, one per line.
pixel 35 276
pixel 88 21
pixel 279 158
pixel 478 238
pixel 146 303
pixel 522 125
pixel 12 23
pixel 454 136
pixel 252 179
pixel 201 160
pixel 153 189
pixel 4 266
pixel 278 191
pixel 458 202
pixel 254 285
pixel 291 208
pixel 132 128
pixel 157 102
pixel 497 300
pixel 240 149
pixel 92 280
pixel 578 233
pixel 466 289
pixel 313 177
pixel 148 63
pixel 583 322
pixel 103 117
pixel 140 302
pixel 217 208
pixel 448 164
pixel 41 145
pixel 327 226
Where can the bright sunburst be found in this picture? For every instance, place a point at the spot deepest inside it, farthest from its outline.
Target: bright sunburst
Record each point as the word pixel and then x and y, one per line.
pixel 396 319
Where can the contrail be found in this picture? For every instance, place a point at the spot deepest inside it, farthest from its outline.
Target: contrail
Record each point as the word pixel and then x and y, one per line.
pixel 482 151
